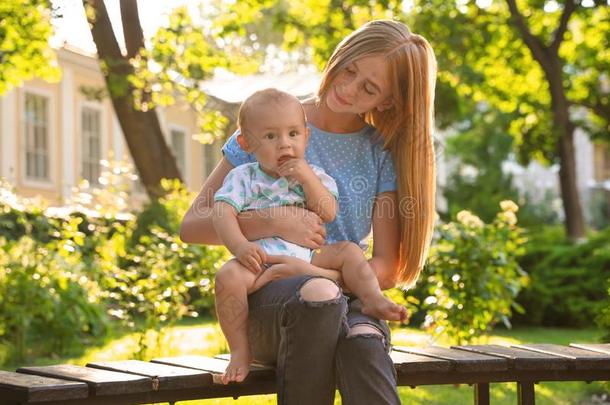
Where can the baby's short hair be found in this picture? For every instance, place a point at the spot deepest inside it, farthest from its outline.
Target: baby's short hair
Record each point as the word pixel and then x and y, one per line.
pixel 266 96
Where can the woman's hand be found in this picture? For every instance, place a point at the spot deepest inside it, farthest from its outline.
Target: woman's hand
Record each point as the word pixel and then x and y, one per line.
pixel 301 226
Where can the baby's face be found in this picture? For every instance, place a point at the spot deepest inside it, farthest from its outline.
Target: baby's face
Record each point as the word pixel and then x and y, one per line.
pixel 276 134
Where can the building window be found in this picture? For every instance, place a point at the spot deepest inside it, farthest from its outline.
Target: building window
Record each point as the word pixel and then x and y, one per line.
pixel 36 131
pixel 178 138
pixel 91 144
pixel 209 158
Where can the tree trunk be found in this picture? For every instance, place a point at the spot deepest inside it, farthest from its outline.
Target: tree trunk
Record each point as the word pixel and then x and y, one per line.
pixel 574 220
pixel 142 130
pixel 550 62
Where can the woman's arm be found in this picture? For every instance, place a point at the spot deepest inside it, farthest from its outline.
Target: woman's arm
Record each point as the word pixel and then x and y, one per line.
pixel 290 223
pixel 197 225
pixel 386 239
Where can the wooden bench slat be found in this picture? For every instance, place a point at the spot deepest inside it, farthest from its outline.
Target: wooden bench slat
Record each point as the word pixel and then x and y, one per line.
pixel 581 359
pixel 101 382
pixel 164 377
pixel 191 377
pixel 520 359
pixel 462 360
pixel 412 363
pixel 216 367
pixel 254 365
pixel 603 348
pixel 32 388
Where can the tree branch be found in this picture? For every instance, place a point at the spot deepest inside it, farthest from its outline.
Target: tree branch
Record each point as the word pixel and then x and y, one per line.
pixel 539 51
pixel 101 30
pixel 602 110
pixel 132 30
pixel 568 9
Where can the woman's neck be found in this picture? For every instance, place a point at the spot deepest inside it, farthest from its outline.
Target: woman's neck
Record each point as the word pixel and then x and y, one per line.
pixel 322 117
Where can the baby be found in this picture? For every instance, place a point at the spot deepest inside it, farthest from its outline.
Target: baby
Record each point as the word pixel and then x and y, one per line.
pixel 272 126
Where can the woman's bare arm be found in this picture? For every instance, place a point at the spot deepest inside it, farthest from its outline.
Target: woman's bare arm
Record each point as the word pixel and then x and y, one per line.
pixel 386 239
pixel 197 226
pixel 290 223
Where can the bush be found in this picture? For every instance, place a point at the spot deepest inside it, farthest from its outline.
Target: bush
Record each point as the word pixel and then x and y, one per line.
pixel 473 275
pixel 568 280
pixel 603 318
pixel 45 292
pixel 62 272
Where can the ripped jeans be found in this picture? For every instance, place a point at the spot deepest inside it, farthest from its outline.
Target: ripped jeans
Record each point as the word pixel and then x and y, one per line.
pixel 307 342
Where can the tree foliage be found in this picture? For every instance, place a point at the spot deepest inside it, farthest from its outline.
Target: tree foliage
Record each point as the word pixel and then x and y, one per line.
pixel 25 30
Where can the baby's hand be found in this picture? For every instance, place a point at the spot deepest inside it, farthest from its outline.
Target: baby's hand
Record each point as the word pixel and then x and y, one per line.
pixel 252 256
pixel 297 169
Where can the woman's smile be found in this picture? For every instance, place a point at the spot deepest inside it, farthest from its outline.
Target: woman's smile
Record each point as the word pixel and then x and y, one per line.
pixel 340 99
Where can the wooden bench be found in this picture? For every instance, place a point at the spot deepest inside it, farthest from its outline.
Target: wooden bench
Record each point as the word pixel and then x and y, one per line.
pixel 192 377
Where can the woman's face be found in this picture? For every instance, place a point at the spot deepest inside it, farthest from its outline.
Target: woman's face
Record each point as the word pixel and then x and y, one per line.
pixel 361 86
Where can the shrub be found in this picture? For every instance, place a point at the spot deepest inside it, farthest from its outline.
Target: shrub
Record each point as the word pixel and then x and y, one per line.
pixel 473 275
pixel 568 285
pixel 63 271
pixel 603 318
pixel 45 292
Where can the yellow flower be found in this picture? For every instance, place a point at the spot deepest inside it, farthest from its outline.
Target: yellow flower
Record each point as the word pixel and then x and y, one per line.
pixel 508 205
pixel 469 219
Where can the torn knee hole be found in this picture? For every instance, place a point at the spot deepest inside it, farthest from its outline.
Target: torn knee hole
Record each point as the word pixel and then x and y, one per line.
pixel 364 331
pixel 319 290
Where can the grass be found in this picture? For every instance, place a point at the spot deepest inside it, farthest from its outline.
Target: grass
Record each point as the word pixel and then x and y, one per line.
pixel 204 337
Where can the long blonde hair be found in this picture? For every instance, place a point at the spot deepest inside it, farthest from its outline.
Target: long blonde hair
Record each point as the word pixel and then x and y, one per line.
pixel 406 128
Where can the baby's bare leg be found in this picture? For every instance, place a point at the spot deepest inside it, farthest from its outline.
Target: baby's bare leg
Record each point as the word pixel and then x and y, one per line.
pixel 359 277
pixel 233 281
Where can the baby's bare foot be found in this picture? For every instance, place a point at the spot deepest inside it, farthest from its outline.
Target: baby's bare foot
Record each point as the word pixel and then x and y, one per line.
pixel 384 308
pixel 238 368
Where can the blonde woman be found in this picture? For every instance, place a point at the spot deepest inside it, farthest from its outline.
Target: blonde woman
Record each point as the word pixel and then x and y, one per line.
pixel 371 130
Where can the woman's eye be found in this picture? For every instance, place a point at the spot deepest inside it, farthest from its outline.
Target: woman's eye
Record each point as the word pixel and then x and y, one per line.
pixel 368 90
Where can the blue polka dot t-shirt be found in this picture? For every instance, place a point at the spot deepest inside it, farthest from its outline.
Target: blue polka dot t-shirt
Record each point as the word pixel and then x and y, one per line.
pixel 360 167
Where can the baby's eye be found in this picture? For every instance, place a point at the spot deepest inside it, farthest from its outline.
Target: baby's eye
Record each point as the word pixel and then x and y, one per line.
pixel 269 136
pixel 292 134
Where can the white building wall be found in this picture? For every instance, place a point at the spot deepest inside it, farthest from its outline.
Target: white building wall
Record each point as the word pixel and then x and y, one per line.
pixel 68 131
pixel 8 137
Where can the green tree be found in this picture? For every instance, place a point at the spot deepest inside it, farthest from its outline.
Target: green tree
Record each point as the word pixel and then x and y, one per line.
pixel 25 30
pixel 542 61
pixel 176 61
pixel 481 145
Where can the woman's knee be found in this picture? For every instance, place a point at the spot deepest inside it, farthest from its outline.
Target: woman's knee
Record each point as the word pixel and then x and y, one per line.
pixel 363 329
pixel 227 273
pixel 319 289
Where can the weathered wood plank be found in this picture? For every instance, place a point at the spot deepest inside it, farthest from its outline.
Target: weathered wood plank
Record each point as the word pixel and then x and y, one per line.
pixel 413 363
pixel 580 359
pixel 24 388
pixel 101 382
pixel 164 377
pixel 603 348
pixel 462 360
pixel 520 359
pixel 217 367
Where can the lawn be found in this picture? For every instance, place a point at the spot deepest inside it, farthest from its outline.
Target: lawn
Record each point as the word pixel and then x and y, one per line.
pixel 204 337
